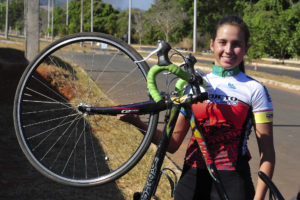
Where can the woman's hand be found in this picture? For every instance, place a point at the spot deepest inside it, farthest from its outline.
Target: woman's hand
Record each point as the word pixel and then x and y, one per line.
pixel 129 118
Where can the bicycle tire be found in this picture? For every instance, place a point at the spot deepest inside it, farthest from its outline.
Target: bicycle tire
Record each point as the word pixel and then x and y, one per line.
pixel 64 144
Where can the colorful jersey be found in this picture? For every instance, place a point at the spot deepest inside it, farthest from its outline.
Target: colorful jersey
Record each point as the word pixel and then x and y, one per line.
pixel 226 118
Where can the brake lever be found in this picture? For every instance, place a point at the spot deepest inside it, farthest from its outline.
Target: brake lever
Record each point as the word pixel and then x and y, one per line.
pixel 160 46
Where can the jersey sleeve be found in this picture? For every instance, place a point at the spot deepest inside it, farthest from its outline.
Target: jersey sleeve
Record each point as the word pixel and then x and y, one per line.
pixel 262 105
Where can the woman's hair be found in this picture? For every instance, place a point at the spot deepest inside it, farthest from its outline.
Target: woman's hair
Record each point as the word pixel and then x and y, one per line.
pixel 236 21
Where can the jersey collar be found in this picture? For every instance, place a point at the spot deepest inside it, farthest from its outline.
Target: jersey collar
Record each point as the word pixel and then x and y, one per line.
pixel 220 71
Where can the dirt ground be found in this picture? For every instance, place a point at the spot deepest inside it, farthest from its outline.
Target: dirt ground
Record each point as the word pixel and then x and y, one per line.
pixel 18 179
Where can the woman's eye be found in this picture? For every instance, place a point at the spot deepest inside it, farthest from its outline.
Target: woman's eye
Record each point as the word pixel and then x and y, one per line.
pixel 222 42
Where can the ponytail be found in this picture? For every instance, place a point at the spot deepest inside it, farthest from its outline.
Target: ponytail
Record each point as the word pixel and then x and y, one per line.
pixel 242 67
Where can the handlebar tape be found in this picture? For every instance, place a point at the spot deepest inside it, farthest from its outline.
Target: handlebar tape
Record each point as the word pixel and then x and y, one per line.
pixel 179 86
pixel 174 69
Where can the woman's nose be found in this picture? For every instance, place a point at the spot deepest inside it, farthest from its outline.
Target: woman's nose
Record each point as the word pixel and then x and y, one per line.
pixel 228 48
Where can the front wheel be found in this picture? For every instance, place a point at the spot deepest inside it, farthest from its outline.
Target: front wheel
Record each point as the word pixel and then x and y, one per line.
pixel 61 142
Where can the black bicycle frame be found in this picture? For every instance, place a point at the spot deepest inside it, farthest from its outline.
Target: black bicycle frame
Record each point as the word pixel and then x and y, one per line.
pixel 154 174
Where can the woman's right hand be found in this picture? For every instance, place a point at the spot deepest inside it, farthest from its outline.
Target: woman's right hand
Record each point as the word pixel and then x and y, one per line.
pixel 129 118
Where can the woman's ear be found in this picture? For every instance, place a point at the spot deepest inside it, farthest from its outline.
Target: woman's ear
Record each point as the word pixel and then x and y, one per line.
pixel 211 45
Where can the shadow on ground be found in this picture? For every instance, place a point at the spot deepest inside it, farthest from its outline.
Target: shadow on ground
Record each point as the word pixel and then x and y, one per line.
pixel 18 179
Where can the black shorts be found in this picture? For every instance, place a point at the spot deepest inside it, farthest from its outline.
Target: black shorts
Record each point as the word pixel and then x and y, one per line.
pixel 195 184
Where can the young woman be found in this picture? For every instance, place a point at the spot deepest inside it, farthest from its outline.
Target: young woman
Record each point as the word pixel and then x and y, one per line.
pixel 236 103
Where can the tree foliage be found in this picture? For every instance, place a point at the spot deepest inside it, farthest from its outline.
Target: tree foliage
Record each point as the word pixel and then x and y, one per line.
pixel 15 14
pixel 167 21
pixel 274 24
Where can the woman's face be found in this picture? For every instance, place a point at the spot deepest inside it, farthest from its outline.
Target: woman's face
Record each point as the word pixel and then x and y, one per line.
pixel 229 46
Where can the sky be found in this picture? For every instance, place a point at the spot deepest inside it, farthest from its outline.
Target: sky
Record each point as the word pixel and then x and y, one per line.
pixel 118 4
pixel 124 4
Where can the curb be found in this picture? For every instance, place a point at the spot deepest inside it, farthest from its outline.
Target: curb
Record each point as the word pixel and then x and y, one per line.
pixel 277 83
pixel 264 81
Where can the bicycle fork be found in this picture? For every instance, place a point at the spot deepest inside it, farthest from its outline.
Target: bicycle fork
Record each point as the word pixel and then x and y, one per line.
pixel 155 173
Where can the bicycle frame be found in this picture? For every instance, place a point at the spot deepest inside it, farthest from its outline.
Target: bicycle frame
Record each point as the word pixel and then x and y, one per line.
pixel 151 106
pixel 160 104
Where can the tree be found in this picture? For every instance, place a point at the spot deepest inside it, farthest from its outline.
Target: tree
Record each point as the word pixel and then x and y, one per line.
pixel 273 26
pixel 15 15
pixel 167 15
pixel 105 18
pixel 122 23
pixel 59 22
pixel 2 15
pixel 140 24
pixel 293 19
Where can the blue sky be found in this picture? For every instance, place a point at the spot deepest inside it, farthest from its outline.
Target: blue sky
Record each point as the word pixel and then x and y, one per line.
pixel 123 4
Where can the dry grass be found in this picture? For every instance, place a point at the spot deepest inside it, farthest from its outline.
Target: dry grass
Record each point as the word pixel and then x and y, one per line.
pixel 133 181
pixel 186 43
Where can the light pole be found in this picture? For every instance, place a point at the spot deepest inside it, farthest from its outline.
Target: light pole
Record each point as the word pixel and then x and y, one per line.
pixel 81 17
pixel 6 21
pixel 195 27
pixel 52 21
pixel 67 15
pixel 48 27
pixel 92 15
pixel 129 23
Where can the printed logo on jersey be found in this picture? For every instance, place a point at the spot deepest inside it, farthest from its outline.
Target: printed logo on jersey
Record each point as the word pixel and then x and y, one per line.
pixel 229 73
pixel 222 99
pixel 231 86
pixel 269 116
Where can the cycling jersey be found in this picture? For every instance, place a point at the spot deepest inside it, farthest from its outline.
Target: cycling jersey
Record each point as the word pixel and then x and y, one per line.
pixel 226 118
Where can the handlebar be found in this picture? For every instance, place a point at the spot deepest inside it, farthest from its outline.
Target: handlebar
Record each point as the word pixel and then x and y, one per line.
pixel 151 78
pixel 164 63
pixel 274 190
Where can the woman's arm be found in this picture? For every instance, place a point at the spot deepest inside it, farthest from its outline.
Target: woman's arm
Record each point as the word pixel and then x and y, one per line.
pixel 264 134
pixel 180 130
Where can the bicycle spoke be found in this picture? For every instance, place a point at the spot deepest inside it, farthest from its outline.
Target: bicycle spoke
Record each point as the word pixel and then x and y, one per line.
pixel 94 152
pixel 57 140
pixel 44 111
pixel 62 148
pixel 47 97
pixel 53 131
pixel 49 120
pixel 72 151
pixel 61 124
pixel 50 89
pixel 119 82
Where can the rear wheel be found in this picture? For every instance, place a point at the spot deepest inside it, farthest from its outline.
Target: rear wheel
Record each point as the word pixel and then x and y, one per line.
pixel 64 144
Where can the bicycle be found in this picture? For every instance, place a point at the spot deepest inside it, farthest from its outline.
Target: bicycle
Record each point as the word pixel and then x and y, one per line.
pixel 65 110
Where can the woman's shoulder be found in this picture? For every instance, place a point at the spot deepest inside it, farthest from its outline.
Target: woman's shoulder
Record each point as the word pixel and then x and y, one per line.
pixel 250 81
